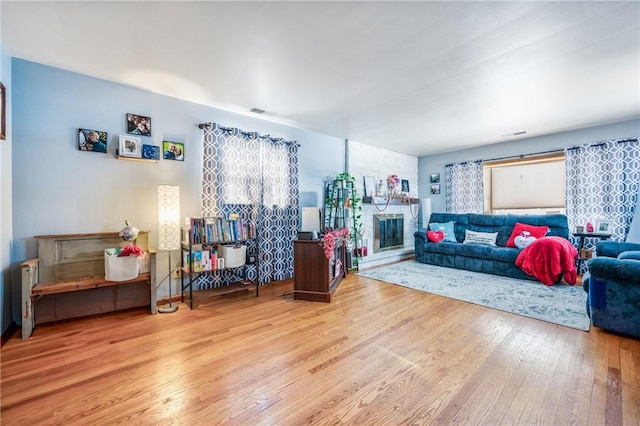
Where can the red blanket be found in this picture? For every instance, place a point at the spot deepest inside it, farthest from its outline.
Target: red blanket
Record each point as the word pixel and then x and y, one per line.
pixel 549 259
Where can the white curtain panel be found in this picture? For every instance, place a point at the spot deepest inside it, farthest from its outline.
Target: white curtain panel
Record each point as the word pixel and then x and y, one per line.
pixel 464 191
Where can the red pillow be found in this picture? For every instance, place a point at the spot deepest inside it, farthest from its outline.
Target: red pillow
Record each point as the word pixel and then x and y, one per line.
pixel 435 236
pixel 535 231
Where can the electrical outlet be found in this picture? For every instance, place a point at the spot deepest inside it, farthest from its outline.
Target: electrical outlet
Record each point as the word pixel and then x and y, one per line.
pixel 176 273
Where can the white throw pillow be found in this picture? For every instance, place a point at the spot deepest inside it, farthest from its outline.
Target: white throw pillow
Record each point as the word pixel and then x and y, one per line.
pixel 473 237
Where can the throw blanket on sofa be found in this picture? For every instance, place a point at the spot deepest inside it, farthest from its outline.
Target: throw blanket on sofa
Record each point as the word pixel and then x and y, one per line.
pixel 549 259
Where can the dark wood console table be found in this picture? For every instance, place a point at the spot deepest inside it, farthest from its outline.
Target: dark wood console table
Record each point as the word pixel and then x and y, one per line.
pixel 315 277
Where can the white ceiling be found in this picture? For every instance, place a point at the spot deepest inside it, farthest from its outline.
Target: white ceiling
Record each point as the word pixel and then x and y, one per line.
pixel 414 77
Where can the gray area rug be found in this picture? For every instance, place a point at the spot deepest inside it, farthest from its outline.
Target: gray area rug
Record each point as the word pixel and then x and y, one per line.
pixel 558 304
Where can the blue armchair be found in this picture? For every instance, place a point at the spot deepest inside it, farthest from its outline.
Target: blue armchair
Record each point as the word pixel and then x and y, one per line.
pixel 613 285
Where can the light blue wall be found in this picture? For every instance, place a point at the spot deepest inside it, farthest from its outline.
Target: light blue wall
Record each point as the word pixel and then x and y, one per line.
pixel 556 141
pixel 58 189
pixel 6 220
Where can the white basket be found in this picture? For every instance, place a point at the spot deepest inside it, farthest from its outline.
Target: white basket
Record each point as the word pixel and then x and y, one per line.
pixel 120 268
pixel 233 255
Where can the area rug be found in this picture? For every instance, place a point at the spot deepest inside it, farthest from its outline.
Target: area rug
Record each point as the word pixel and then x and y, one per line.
pixel 558 304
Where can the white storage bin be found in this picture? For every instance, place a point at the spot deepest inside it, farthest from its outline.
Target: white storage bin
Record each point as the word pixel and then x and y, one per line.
pixel 120 268
pixel 234 255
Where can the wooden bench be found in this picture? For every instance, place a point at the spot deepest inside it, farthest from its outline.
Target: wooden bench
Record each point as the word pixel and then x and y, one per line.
pixel 67 280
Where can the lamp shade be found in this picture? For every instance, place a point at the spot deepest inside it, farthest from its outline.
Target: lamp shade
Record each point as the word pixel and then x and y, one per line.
pixel 169 217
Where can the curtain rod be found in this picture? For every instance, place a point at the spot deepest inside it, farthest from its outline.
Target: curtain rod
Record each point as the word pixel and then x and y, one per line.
pixel 508 157
pixel 243 133
pixel 547 152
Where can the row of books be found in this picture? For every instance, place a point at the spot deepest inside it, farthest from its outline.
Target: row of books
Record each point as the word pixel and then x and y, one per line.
pixel 202 260
pixel 218 229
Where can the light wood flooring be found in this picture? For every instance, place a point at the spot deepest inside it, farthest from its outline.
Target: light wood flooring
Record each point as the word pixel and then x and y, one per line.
pixel 378 354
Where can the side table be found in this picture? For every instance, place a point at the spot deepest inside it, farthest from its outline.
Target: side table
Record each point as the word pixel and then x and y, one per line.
pixel 581 237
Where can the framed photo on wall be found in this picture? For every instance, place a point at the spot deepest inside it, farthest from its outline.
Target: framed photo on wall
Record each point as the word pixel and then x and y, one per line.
pixel 434 178
pixel 405 185
pixel 435 189
pixel 150 152
pixel 130 146
pixel 92 140
pixel 138 125
pixel 172 150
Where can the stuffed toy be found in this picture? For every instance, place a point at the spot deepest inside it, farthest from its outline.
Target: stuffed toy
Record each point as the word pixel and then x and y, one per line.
pixel 435 236
pixel 524 239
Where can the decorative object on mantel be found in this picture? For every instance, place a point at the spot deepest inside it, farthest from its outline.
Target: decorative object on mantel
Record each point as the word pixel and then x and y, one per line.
pixel 169 226
pixel 380 192
pixel 398 193
pixel 393 183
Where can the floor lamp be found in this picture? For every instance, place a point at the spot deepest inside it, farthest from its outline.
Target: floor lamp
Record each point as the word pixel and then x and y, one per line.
pixel 169 235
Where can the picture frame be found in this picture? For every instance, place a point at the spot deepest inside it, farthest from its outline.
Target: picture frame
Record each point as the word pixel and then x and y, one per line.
pixel 434 178
pixel 435 189
pixel 92 140
pixel 130 146
pixel 173 151
pixel 405 186
pixel 369 183
pixel 138 125
pixel 3 112
pixel 603 226
pixel 150 152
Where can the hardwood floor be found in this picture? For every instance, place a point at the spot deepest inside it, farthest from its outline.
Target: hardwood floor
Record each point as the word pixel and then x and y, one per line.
pixel 378 354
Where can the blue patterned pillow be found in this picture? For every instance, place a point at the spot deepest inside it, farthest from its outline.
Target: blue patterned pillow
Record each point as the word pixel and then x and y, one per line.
pixel 447 230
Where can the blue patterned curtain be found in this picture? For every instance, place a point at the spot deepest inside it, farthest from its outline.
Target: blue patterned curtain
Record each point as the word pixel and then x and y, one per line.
pixel 602 183
pixel 464 192
pixel 256 177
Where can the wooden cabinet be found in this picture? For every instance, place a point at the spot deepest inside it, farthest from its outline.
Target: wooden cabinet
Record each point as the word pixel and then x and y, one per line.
pixel 315 277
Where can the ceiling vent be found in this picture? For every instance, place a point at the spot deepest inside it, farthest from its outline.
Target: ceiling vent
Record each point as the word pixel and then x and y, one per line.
pixel 263 112
pixel 508 135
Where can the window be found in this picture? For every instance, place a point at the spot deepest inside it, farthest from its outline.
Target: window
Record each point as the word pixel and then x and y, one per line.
pixel 534 185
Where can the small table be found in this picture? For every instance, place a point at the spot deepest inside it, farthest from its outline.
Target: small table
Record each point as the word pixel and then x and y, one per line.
pixel 581 236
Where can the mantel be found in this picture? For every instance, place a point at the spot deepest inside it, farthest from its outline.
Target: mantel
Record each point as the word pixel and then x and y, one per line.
pixel 393 200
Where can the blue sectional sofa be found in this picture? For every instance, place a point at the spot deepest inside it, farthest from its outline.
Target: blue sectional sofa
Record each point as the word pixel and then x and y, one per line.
pixel 499 260
pixel 613 286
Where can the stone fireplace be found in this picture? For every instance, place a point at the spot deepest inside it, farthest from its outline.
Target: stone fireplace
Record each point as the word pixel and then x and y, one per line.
pixel 388 232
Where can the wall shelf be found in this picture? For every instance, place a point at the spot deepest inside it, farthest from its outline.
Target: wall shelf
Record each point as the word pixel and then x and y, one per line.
pixel 394 200
pixel 142 160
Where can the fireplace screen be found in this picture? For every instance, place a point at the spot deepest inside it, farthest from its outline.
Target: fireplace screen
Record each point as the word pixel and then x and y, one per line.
pixel 388 232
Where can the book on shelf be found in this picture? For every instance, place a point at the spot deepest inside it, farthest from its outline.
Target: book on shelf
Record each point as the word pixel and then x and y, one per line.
pixel 215 229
